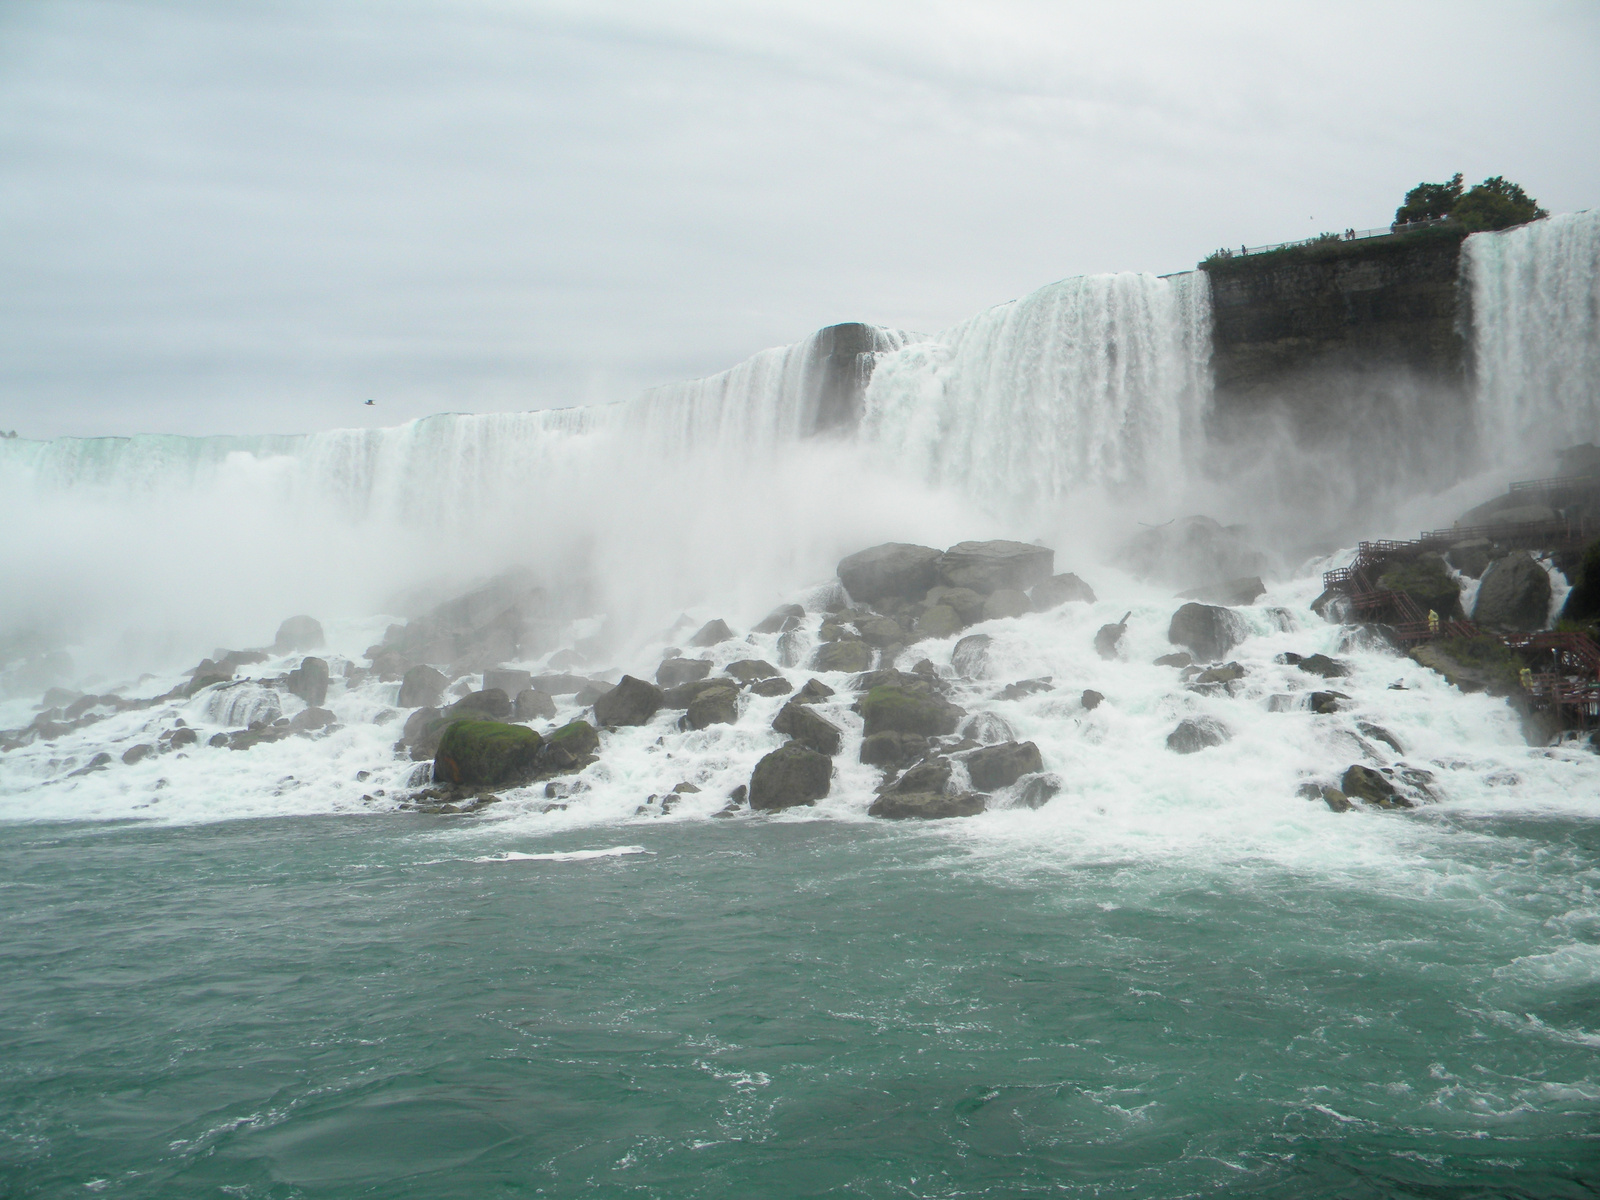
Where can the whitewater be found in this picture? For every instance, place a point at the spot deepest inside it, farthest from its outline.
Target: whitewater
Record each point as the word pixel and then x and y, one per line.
pixel 1180 976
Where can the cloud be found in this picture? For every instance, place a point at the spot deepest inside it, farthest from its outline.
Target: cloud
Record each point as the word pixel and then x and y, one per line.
pixel 229 219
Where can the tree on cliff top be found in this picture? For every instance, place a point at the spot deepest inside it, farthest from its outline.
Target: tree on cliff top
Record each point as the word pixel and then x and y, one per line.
pixel 1496 204
pixel 1493 204
pixel 1429 201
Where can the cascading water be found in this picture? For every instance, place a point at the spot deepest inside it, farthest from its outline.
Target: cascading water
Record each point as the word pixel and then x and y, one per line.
pixel 1094 381
pixel 1536 335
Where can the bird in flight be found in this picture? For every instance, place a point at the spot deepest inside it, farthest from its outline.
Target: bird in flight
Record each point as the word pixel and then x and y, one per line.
pixel 371 401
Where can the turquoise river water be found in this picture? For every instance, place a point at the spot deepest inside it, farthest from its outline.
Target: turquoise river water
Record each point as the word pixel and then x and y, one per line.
pixel 389 1006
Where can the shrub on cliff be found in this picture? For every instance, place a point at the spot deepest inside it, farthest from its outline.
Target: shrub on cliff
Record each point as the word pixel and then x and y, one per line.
pixel 1492 204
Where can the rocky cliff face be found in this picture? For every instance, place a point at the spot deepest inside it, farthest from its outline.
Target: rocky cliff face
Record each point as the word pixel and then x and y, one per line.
pixel 1317 321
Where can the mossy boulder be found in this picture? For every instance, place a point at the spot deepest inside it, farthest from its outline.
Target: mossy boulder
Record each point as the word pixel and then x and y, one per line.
pixel 1477 664
pixel 1427 581
pixel 487 754
pixel 790 776
pixel 891 709
pixel 940 621
pixel 632 702
pixel 846 655
pixel 798 721
pixel 570 748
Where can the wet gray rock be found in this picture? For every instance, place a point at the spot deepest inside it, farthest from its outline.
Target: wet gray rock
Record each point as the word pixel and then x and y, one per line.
pixel 929 775
pixel 674 672
pixel 790 776
pixel 1058 590
pixel 533 705
pixel 311 720
pixel 938 621
pixel 1372 787
pixel 927 806
pixel 1321 664
pixel 1108 638
pixel 422 686
pixel 882 632
pixel 1006 602
pixel 970 656
pixel 509 680
pixel 968 604
pixel 748 670
pixel 713 706
pixel 1323 703
pixel 1514 594
pixel 1090 699
pixel 684 694
pixel 490 704
pixel 987 567
pixel 846 655
pixel 812 692
pixel 590 693
pixel 298 633
pixel 988 729
pixel 1038 790
pixel 137 753
pixel 565 685
pixel 309 681
pixel 1230 592
pixel 893 750
pixel 908 709
pixel 892 570
pixel 712 633
pixel 1471 556
pixel 776 686
pixel 631 702
pixel 1379 734
pixel 810 729
pixel 995 767
pixel 1197 733
pixel 781 619
pixel 1208 631
pixel 1023 688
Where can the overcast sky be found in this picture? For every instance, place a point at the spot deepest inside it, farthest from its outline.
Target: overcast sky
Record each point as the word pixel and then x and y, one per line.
pixel 252 217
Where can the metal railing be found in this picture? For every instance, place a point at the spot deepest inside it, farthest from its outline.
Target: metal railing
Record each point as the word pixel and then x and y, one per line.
pixel 1349 235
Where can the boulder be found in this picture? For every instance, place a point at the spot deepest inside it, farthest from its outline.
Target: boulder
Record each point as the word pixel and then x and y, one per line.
pixel 1197 733
pixel 570 748
pixel 298 633
pixel 781 619
pixel 1514 594
pixel 1333 606
pixel 717 705
pixel 311 719
pixel 1471 557
pixel 491 703
pixel 182 737
pixel 967 603
pixel 995 767
pixel 929 775
pixel 590 693
pixel 988 729
pixel 813 692
pixel 848 655
pixel 631 702
pixel 808 728
pixel 421 733
pixel 1227 673
pixel 776 686
pixel 790 776
pixel 893 750
pixel 533 705
pixel 1058 590
pixel 711 633
pixel 1371 787
pixel 1006 602
pixel 894 569
pixel 1091 699
pixel 309 681
pixel 904 710
pixel 421 687
pixel 748 670
pixel 1192 552
pixel 1207 630
pixel 1321 664
pixel 1323 703
pixel 1231 592
pixel 1108 638
pixel 674 672
pixel 939 621
pixel 1477 664
pixel 882 631
pixel 684 694
pixel 1427 581
pixel 992 566
pixel 1180 658
pixel 970 657
pixel 927 806
pixel 1379 734
pixel 510 681
pixel 1038 791
pixel 566 685
pixel 1025 687
pixel 487 754
pixel 138 753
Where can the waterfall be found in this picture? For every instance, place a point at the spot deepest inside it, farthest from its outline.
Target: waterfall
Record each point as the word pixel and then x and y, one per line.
pixel 1101 380
pixel 1535 294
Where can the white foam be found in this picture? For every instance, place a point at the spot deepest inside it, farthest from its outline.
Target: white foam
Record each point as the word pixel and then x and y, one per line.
pixel 563 855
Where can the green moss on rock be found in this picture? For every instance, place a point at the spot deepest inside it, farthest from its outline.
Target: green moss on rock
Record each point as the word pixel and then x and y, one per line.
pixel 486 754
pixel 1427 581
pixel 890 709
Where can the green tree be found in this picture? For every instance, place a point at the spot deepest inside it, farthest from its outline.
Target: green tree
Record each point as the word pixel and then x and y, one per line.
pixel 1496 204
pixel 1429 201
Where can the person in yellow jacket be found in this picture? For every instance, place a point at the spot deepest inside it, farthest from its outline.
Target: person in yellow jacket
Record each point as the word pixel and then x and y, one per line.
pixel 1433 622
